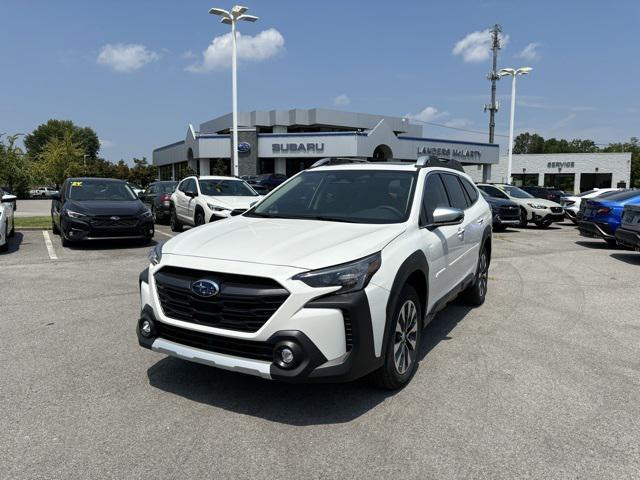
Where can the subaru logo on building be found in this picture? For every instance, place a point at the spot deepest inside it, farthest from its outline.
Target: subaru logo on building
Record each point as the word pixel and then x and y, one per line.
pixel 244 147
pixel 205 288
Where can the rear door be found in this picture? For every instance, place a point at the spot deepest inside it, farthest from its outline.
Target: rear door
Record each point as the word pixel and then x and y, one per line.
pixel 181 202
pixel 194 187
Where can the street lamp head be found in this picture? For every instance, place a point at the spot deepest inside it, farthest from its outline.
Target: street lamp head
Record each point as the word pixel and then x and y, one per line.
pixel 238 10
pixel 247 18
pixel 226 20
pixel 523 70
pixel 506 72
pixel 220 12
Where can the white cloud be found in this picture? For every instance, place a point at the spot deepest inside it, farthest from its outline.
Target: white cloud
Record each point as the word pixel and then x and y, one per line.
pixel 458 123
pixel 342 100
pixel 126 58
pixel 264 45
pixel 563 122
pixel 476 46
pixel 104 143
pixel 188 55
pixel 530 52
pixel 429 114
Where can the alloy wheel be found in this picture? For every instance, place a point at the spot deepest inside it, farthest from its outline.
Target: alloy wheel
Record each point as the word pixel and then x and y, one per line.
pixel 405 338
pixel 483 274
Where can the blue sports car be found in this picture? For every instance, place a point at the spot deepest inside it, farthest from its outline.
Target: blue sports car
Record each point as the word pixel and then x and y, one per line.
pixel 603 216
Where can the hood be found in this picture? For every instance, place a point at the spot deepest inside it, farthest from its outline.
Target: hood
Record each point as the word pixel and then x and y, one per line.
pixel 105 207
pixel 535 201
pixel 231 202
pixel 499 202
pixel 305 244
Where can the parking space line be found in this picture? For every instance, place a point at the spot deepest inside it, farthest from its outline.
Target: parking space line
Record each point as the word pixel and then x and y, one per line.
pixel 47 242
pixel 163 233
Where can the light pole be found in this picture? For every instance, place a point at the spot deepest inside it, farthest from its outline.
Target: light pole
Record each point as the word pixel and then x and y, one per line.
pixel 504 72
pixel 236 15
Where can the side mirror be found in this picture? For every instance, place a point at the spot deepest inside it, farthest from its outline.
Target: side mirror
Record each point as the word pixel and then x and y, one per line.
pixel 55 196
pixel 443 216
pixel 189 193
pixel 140 195
pixel 9 198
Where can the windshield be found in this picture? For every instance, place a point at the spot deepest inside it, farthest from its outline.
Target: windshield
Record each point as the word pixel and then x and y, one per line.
pixel 97 189
pixel 358 196
pixel 226 188
pixel 515 192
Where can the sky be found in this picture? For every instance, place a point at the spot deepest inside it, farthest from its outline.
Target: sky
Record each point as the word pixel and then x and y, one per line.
pixel 138 72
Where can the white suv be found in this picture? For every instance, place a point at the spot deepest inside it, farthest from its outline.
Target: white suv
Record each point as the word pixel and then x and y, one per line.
pixel 329 278
pixel 200 200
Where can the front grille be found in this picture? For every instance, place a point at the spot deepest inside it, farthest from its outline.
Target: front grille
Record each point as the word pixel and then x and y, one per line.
pixel 507 212
pixel 244 303
pixel 216 343
pixel 113 221
pixel 556 210
pixel 238 211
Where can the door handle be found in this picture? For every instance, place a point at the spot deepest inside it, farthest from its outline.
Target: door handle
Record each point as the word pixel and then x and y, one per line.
pixel 460 233
pixel 481 221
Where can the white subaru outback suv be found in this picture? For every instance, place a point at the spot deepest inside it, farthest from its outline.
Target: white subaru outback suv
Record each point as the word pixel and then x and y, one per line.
pixel 200 200
pixel 329 278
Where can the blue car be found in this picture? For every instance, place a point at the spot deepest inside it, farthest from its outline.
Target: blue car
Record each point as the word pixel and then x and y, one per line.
pixel 602 217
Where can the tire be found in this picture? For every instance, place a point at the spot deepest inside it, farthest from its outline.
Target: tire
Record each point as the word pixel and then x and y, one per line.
pixel 611 242
pixel 523 218
pixel 475 294
pixel 54 228
pixel 65 243
pixel 401 356
pixel 499 228
pixel 543 224
pixel 175 224
pixel 12 233
pixel 199 218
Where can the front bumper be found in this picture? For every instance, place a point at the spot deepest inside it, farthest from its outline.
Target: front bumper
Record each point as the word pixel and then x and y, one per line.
pixel 261 357
pixel 79 229
pixel 628 238
pixel 547 216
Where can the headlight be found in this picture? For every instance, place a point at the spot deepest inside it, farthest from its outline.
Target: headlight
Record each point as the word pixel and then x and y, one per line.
pixel 155 254
pixel 217 208
pixel 72 214
pixel 351 276
pixel 536 205
pixel 147 214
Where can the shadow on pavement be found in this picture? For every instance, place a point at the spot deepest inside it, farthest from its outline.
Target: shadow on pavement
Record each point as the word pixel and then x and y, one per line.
pixel 292 404
pixel 596 244
pixel 111 244
pixel 632 258
pixel 14 243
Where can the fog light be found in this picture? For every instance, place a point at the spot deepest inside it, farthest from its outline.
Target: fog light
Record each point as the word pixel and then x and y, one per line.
pixel 286 355
pixel 145 328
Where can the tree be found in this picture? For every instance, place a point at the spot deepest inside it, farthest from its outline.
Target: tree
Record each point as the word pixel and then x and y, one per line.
pixel 633 146
pixel 85 137
pixel 61 158
pixel 15 168
pixel 528 143
pixel 142 173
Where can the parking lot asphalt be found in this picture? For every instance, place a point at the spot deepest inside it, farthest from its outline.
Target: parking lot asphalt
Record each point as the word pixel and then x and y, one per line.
pixel 542 381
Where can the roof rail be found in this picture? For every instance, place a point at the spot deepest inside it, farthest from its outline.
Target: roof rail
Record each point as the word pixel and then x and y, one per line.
pixel 435 161
pixel 337 161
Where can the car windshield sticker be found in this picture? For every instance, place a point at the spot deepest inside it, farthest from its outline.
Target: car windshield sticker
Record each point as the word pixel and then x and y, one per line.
pixel 76 184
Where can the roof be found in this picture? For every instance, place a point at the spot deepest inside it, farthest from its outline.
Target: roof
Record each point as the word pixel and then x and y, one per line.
pixel 217 177
pixel 82 179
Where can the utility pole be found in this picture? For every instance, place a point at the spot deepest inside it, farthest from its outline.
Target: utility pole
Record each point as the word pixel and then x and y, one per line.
pixel 493 78
pixel 493 106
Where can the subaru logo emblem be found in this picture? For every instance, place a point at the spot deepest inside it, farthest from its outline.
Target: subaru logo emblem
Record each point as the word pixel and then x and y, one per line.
pixel 115 219
pixel 205 288
pixel 244 147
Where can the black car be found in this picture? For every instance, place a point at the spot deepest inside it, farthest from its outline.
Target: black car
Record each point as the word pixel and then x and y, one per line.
pixel 505 212
pixel 548 193
pixel 99 209
pixel 269 180
pixel 157 197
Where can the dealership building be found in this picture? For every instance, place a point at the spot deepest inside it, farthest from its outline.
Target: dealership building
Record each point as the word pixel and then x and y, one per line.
pixel 571 172
pixel 287 141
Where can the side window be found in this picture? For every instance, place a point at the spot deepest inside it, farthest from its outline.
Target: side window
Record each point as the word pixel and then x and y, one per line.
pixel 457 197
pixel 191 185
pixel 434 196
pixel 493 191
pixel 182 186
pixel 470 189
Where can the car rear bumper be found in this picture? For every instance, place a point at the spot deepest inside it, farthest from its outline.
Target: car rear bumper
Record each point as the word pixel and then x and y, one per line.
pixel 628 238
pixel 594 230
